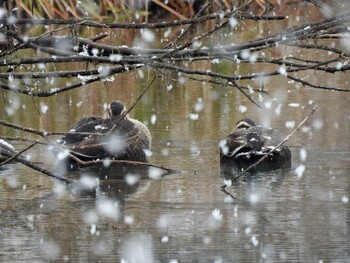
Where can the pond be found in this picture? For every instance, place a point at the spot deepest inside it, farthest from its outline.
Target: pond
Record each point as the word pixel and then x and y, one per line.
pixel 281 216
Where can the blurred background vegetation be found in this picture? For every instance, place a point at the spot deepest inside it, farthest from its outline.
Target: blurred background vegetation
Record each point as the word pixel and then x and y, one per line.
pixel 137 10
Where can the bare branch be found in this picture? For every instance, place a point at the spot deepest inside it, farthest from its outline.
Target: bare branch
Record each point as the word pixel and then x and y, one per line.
pixel 16 156
pixel 306 83
pixel 200 19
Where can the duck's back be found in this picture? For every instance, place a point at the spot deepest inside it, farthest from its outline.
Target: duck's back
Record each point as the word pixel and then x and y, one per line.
pixel 112 137
pixel 245 147
pixel 128 140
pixel 84 125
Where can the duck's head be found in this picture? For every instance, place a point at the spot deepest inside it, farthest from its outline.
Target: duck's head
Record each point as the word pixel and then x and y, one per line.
pixel 245 124
pixel 115 109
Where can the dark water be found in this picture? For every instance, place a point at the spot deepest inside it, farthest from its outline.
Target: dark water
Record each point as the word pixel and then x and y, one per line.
pixel 276 217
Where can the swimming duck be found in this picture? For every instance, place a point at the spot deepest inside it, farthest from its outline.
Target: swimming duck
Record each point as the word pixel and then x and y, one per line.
pixel 247 143
pixel 116 137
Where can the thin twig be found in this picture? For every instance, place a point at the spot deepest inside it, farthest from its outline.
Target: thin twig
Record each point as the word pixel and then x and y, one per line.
pixel 22 160
pixel 43 133
pixel 246 94
pixel 223 189
pixel 21 139
pixel 94 162
pixel 306 83
pixel 133 105
pixel 18 154
pixel 70 87
pixel 139 97
pixel 197 38
pixel 26 129
pixel 188 27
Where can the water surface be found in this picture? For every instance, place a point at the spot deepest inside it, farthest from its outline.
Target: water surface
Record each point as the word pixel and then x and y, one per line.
pixel 276 217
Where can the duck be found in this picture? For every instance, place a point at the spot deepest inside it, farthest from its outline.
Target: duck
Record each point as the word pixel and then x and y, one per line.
pixel 247 143
pixel 116 137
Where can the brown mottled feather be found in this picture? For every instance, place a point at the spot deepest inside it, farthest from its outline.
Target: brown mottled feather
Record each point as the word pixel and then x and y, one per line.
pixel 115 138
pixel 248 143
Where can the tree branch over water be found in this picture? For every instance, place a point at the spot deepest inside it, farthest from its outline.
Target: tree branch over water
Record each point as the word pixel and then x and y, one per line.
pixel 195 49
pixel 86 23
pixel 119 59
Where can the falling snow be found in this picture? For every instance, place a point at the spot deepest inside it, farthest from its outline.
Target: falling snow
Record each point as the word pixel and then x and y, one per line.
pixel 317 124
pixel 147 35
pixel 137 249
pixel 163 222
pixel 253 198
pixel 153 119
pixel 227 182
pixel 43 107
pixel 132 179
pixel 93 229
pixel 255 241
pixel 299 171
pixel 2 12
pixel 95 52
pixel 245 54
pixel 278 109
pixel 303 154
pixel 196 44
pixel 167 32
pixel 129 220
pixel 50 248
pixel 169 87
pixel 194 116
pixel 89 182
pixel 59 189
pixel 111 226
pixel 290 124
pixel 199 105
pixel 223 146
pixel 242 108
pixel 282 70
pixel 294 105
pixel 155 173
pixel 115 57
pixel 345 199
pixel 115 144
pixel 217 214
pixel 147 152
pixel 108 208
pixel 165 239
pixel 233 22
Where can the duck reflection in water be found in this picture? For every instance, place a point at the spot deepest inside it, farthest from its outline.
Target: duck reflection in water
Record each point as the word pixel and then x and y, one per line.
pixel 247 143
pixel 115 181
pixel 117 137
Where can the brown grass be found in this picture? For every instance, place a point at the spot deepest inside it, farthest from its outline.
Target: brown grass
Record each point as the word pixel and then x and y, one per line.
pixel 132 10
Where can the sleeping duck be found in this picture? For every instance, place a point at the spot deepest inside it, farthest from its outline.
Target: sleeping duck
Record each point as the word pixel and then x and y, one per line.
pixel 247 143
pixel 117 137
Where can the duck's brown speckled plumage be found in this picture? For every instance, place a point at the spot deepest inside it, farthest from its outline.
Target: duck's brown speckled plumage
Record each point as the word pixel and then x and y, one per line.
pixel 117 137
pixel 248 142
